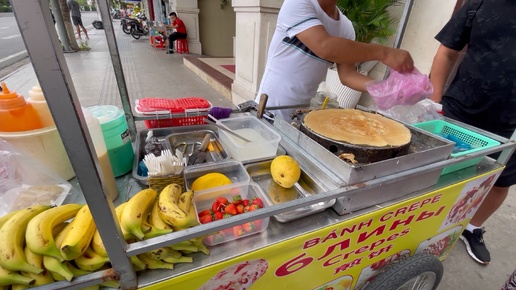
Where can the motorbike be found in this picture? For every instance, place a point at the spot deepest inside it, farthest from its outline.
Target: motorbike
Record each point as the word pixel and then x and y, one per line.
pixel 116 14
pixel 139 28
pixel 128 22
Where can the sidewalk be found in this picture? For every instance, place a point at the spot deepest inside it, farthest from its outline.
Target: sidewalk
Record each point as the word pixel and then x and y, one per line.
pixel 150 72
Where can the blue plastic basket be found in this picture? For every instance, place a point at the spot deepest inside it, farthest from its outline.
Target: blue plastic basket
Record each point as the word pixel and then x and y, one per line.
pixel 476 141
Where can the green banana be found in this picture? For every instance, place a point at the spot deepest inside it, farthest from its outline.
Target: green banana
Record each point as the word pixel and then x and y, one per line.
pixel 197 242
pixel 154 264
pixel 164 252
pixel 111 284
pixel 182 259
pixel 12 238
pixel 56 267
pixel 170 211
pixel 90 260
pixel 135 212
pixel 8 277
pixel 36 260
pixel 39 230
pixel 138 264
pixel 155 232
pixel 185 201
pixel 180 247
pixel 79 237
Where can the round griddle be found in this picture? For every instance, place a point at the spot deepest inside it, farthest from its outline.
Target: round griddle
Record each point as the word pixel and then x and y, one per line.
pixel 363 153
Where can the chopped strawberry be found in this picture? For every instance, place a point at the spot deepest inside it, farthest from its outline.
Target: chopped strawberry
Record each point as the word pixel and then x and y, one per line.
pixel 231 209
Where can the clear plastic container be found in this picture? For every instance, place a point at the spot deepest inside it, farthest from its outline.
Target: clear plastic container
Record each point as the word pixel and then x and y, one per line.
pixel 102 154
pixel 39 103
pixel 16 115
pixel 233 170
pixel 264 140
pixel 249 191
pixel 117 137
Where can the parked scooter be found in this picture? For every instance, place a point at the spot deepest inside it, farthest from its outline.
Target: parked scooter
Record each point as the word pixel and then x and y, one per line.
pixel 128 22
pixel 139 28
pixel 116 14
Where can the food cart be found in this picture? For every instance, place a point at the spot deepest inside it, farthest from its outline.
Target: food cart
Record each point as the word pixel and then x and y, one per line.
pixel 402 214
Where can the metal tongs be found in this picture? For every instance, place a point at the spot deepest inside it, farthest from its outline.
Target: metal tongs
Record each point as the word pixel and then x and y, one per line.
pixel 226 129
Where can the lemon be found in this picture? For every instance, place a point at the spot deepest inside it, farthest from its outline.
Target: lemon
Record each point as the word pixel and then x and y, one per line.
pixel 210 180
pixel 285 171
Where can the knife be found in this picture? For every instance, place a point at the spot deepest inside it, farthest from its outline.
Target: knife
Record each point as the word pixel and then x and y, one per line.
pixel 200 156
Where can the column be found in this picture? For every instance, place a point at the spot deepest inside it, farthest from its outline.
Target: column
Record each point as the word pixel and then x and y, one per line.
pixel 255 25
pixel 188 11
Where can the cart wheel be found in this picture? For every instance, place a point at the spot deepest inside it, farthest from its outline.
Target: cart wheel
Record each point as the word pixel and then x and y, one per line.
pixel 422 272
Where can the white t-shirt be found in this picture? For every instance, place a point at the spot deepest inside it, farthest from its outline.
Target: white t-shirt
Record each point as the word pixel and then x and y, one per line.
pixel 293 72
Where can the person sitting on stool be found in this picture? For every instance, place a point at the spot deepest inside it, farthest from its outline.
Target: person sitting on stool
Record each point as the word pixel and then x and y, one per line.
pixel 180 32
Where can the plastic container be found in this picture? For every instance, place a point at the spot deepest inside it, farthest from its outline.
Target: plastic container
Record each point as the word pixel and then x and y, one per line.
pixel 116 136
pixel 16 115
pixel 232 169
pixel 195 109
pixel 44 145
pixel 249 191
pixel 95 130
pixel 264 140
pixel 39 103
pixel 451 131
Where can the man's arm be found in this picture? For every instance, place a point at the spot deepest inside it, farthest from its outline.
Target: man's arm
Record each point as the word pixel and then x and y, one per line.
pixel 350 77
pixel 442 65
pixel 341 50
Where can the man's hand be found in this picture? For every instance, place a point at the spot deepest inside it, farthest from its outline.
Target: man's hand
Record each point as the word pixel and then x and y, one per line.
pixel 399 60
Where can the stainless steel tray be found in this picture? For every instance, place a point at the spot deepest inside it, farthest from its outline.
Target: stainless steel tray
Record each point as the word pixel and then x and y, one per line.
pixel 163 135
pixel 306 186
pixel 189 142
pixel 425 149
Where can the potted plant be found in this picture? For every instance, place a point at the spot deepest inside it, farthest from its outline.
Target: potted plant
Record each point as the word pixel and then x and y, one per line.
pixel 372 22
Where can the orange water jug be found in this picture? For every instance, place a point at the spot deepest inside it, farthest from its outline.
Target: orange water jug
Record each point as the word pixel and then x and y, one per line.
pixel 16 115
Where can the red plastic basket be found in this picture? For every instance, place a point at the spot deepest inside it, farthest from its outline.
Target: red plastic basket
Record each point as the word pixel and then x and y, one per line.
pixel 195 109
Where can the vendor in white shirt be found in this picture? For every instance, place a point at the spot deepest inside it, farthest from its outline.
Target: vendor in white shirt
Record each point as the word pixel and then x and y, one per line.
pixel 310 36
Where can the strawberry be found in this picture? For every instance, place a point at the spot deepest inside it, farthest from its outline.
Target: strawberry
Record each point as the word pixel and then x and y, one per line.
pixel 205 212
pixel 219 215
pixel 222 200
pixel 215 206
pixel 240 208
pixel 258 224
pixel 206 219
pixel 249 227
pixel 245 202
pixel 237 199
pixel 253 207
pixel 231 209
pixel 238 231
pixel 258 202
pixel 215 238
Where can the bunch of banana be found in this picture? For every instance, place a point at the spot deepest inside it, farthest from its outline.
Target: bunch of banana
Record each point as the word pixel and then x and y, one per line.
pixel 78 238
pixel 136 212
pixel 170 210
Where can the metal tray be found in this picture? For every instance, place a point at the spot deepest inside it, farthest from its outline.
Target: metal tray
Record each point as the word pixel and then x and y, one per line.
pixel 425 148
pixel 163 135
pixel 189 142
pixel 306 186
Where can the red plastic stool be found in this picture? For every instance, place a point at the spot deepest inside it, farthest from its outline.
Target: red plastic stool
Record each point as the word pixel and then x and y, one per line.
pixel 159 42
pixel 182 46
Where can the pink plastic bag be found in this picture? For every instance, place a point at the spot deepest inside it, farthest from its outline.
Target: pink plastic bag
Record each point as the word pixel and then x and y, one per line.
pixel 400 89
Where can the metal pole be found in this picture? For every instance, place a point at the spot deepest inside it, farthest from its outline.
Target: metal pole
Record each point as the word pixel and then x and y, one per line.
pixel 402 26
pixel 105 15
pixel 61 29
pixel 37 29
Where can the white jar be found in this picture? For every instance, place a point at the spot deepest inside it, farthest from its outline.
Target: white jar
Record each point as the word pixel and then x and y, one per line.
pixel 95 130
pixel 39 103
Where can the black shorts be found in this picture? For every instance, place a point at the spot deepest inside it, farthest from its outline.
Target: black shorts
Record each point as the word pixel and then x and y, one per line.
pixel 508 176
pixel 77 21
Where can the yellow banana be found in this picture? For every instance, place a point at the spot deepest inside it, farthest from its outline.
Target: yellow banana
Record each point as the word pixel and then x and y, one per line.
pixel 36 260
pixel 111 284
pixel 12 238
pixel 135 212
pixel 154 232
pixel 8 277
pixel 39 230
pixel 96 242
pixel 191 212
pixel 55 266
pixel 76 271
pixel 182 247
pixel 19 287
pixel 61 235
pixel 155 219
pixel 59 228
pixel 164 252
pixel 90 260
pixel 79 237
pixel 182 259
pixel 138 264
pixel 185 201
pixel 154 264
pixel 7 216
pixel 170 211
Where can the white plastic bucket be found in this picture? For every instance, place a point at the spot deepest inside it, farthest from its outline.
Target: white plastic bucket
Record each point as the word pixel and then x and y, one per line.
pixel 44 145
pixel 347 97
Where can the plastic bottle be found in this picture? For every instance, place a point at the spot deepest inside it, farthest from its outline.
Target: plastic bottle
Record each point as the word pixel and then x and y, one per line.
pixel 16 115
pixel 39 103
pixel 100 148
pixel 117 137
pixel 324 100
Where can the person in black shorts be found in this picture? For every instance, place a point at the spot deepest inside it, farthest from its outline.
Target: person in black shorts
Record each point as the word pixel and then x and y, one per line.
pixel 482 93
pixel 75 10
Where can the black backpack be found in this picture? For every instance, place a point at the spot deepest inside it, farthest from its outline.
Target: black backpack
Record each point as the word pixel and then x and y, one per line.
pixel 97 24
